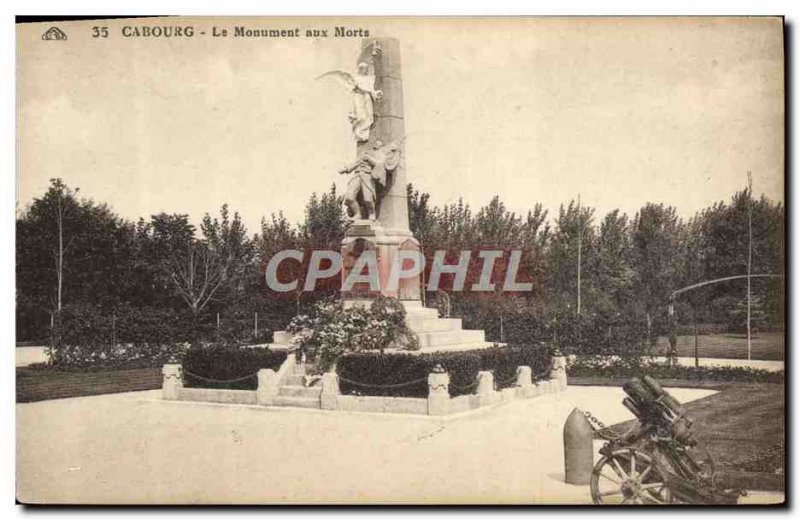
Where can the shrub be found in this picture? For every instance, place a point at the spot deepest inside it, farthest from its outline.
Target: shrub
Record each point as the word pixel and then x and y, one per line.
pixel 382 374
pixel 331 330
pixel 217 365
pixel 615 368
pixel 503 363
pixel 388 374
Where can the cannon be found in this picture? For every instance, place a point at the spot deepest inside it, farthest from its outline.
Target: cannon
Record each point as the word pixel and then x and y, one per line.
pixel 657 461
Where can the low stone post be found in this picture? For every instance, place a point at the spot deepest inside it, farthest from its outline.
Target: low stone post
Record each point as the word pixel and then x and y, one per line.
pixel 267 387
pixel 438 392
pixel 329 399
pixel 559 372
pixel 172 382
pixel 578 449
pixel 544 387
pixel 525 386
pixel 485 390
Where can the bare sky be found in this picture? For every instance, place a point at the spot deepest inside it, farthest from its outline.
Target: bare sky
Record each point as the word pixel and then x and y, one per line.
pixel 622 111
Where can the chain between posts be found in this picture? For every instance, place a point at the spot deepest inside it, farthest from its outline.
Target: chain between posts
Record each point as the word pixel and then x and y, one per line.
pixel 372 385
pixel 603 431
pixel 466 387
pixel 221 381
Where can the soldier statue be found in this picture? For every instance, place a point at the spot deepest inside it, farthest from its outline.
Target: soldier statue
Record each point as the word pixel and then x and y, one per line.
pixel 369 178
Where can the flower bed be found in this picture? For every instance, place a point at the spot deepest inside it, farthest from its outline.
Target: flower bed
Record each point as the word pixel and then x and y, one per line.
pixel 622 369
pixel 332 330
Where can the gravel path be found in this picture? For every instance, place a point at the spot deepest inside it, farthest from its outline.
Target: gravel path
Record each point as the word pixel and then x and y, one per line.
pixel 135 448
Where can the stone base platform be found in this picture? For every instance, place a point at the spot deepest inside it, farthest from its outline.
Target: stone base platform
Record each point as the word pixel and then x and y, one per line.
pixel 291 387
pixel 435 334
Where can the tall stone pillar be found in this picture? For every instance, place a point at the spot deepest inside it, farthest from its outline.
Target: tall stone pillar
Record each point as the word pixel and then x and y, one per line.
pixel 384 56
pixel 390 233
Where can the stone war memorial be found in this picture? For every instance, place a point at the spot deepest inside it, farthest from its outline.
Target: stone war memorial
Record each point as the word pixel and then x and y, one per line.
pixel 376 200
pixel 400 260
pixel 380 243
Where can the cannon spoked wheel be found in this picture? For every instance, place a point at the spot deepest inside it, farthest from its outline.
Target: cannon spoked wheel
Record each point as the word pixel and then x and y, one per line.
pixel 629 476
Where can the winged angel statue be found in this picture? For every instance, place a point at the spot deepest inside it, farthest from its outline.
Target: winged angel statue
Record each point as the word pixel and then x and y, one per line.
pixel 362 85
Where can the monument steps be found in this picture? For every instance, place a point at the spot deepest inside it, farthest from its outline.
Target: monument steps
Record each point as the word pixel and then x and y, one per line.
pixel 297 402
pixel 456 347
pixel 293 391
pixel 293 380
pixel 300 391
pixel 433 332
pixel 434 324
pixel 421 313
pixel 450 337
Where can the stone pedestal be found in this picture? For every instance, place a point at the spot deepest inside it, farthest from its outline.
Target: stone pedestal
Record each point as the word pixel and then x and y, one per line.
pixel 559 372
pixel 485 390
pixel 172 382
pixel 438 393
pixel 524 383
pixel 267 387
pixel 367 247
pixel 329 398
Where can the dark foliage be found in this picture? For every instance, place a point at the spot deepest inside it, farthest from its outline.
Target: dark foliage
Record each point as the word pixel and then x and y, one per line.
pixel 386 374
pixel 620 370
pixel 503 363
pixel 218 365
pixel 128 337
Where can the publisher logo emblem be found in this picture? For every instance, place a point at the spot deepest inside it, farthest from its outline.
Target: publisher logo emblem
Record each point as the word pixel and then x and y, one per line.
pixel 54 33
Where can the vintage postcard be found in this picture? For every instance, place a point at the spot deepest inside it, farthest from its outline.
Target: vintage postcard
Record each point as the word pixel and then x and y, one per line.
pixel 463 260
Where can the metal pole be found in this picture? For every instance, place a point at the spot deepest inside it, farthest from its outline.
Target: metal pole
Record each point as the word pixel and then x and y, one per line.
pixel 255 327
pixel 580 232
pixel 749 254
pixel 673 334
pixel 696 355
pixel 555 336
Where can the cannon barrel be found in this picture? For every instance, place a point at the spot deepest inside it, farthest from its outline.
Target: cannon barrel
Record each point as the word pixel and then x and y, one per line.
pixel 651 404
pixel 631 406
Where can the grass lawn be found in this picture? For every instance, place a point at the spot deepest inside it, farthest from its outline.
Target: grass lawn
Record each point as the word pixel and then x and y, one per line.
pixel 35 384
pixel 765 345
pixel 741 421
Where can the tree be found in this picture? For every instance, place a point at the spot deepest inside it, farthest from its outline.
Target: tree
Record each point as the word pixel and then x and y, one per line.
pixel 573 222
pixel 53 217
pixel 718 247
pixel 655 240
pixel 614 275
pixel 325 221
pixel 202 270
pixel 69 251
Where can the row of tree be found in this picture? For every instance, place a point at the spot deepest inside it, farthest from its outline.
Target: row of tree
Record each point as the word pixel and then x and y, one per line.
pixel 605 270
pixel 621 269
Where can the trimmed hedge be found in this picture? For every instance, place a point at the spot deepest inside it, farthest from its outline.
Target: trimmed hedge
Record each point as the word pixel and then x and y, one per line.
pixel 375 374
pixel 503 363
pixel 218 365
pixel 617 370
